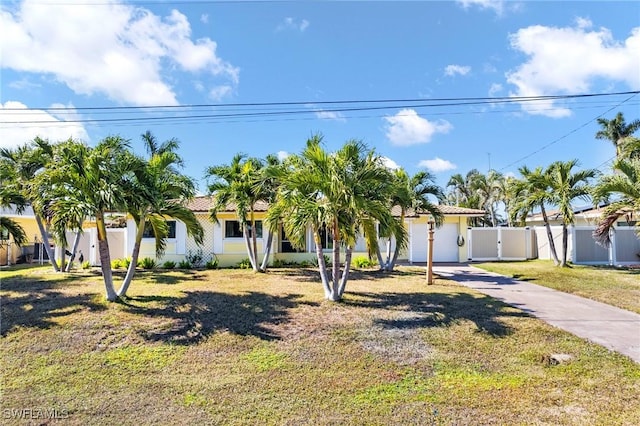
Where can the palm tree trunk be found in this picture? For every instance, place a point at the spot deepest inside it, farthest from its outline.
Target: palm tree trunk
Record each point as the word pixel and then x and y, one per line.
pixel 345 272
pixel 322 265
pixel 254 237
pixel 45 243
pixel 552 245
pixel 392 263
pixel 131 269
pixel 335 285
pixel 565 235
pixel 380 259
pixel 74 248
pixel 247 240
pixel 105 258
pixel 267 252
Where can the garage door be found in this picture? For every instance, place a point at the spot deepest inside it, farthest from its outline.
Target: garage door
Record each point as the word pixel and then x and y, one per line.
pixel 418 242
pixel 445 246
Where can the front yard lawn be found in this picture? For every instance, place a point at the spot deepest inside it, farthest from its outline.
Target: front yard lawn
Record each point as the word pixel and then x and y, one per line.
pixel 235 347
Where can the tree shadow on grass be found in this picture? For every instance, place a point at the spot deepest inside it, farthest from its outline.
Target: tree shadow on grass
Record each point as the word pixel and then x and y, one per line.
pixel 425 310
pixel 202 313
pixel 313 274
pixel 40 302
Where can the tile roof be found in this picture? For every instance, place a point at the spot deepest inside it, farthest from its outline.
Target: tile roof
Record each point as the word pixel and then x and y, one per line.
pixel 203 204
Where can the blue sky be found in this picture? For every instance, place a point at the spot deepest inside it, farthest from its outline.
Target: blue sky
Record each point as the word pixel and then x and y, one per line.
pixel 61 58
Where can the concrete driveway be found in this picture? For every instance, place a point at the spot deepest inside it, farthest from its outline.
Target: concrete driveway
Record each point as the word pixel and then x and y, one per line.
pixel 611 327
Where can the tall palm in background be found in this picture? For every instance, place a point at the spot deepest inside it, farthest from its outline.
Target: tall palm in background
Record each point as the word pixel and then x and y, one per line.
pixel 463 192
pixel 617 131
pixel 236 184
pixel 19 168
pixel 160 192
pixel 566 186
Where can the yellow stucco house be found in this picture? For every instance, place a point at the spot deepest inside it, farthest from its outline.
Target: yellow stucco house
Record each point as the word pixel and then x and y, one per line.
pixel 225 241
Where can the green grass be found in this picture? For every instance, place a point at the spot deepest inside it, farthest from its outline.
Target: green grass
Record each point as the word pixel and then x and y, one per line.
pixel 616 286
pixel 235 347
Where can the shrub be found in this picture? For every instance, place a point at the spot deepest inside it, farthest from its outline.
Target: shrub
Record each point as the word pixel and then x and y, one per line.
pixel 116 263
pixel 147 263
pixel 212 263
pixel 314 261
pixel 362 262
pixel 169 264
pixel 86 264
pixel 195 258
pixel 184 264
pixel 244 264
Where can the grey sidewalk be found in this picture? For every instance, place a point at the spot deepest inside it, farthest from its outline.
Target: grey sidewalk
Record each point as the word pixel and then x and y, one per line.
pixel 611 327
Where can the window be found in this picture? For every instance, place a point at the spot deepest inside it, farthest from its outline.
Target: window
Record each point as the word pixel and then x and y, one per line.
pixel 326 239
pixel 233 229
pixel 285 244
pixel 148 230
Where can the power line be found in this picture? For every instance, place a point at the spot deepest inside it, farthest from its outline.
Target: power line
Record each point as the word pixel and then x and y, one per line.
pixel 569 133
pixel 343 106
pixel 439 101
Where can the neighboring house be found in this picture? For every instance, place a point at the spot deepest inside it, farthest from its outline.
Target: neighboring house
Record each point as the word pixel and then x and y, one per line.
pixel 33 252
pixel 581 247
pixel 10 253
pixel 585 216
pixel 225 240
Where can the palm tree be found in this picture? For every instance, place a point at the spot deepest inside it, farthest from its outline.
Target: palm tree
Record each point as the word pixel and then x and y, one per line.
pixel 567 186
pixel 85 181
pixel 409 193
pixel 342 192
pixel 463 192
pixel 487 188
pixel 19 168
pixel 625 185
pixel 160 192
pixel 617 131
pixel 266 189
pixel 531 192
pixel 236 184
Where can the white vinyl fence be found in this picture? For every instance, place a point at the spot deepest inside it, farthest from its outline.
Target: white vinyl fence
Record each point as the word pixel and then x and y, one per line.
pixel 582 249
pixel 485 244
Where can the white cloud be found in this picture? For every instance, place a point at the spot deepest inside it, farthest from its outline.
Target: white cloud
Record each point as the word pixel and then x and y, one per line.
pixel 204 18
pixel 330 115
pixel 326 115
pixel 451 70
pixel 121 51
pixel 495 89
pixel 293 24
pixel 437 165
pixel 219 92
pixel 282 155
pixel 21 125
pixel 569 61
pixel 390 164
pixel 408 128
pixel 496 5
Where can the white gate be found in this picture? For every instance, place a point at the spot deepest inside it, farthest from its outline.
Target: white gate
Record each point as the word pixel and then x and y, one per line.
pixel 485 244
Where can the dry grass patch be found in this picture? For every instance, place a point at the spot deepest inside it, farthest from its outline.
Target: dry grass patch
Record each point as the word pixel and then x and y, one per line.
pixel 234 347
pixel 616 286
